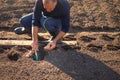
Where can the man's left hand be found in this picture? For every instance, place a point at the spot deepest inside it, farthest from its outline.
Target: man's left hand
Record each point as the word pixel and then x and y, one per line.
pixel 50 46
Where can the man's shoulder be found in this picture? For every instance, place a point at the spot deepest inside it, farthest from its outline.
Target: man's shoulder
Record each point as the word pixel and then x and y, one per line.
pixel 64 3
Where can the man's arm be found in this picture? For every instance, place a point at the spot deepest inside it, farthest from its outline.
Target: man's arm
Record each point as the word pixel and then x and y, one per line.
pixel 34 38
pixel 35 34
pixel 59 36
pixel 65 26
pixel 37 14
pixel 51 45
pixel 36 23
pixel 64 30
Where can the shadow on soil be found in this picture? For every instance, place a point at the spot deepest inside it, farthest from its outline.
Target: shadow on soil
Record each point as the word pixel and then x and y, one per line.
pixel 80 66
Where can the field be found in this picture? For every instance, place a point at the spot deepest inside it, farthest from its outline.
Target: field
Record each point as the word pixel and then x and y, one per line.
pixel 95 25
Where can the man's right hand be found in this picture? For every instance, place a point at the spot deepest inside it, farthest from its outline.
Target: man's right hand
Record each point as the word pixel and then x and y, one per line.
pixel 34 45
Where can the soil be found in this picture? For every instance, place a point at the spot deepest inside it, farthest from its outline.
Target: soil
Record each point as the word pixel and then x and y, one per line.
pixel 96 56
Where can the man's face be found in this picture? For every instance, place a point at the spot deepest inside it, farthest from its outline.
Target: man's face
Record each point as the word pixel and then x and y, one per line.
pixel 49 6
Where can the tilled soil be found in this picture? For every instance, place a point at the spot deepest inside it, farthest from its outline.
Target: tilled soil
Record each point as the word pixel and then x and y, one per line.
pixel 96 56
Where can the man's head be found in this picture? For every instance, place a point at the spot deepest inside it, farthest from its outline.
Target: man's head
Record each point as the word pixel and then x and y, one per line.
pixel 49 5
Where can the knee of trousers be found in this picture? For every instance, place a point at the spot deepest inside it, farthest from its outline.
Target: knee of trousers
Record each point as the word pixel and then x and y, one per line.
pixel 26 22
pixel 49 25
pixel 22 21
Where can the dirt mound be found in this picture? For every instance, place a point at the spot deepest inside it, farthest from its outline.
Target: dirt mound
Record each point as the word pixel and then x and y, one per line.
pixel 99 41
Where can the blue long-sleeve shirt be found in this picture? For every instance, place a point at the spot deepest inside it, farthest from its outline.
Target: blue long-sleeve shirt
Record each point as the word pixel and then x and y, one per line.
pixel 61 11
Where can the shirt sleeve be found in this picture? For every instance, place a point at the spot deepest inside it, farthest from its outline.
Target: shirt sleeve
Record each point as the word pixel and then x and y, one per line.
pixel 37 14
pixel 66 22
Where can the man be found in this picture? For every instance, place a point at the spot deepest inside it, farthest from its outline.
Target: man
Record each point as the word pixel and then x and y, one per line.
pixel 54 15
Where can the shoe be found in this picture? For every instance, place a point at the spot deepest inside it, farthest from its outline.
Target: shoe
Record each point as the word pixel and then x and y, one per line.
pixel 22 30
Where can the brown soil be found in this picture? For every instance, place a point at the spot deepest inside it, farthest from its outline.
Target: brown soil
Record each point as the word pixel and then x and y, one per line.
pixel 96 56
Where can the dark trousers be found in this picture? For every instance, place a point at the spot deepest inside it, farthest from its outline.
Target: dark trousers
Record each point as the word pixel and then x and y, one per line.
pixel 49 23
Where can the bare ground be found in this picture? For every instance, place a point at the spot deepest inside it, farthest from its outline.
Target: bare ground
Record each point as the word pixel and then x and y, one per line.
pixel 96 56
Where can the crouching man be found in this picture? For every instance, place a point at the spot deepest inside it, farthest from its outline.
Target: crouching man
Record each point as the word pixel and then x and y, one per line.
pixel 53 15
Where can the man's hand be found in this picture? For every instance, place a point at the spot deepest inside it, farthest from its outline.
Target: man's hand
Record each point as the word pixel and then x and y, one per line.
pixel 34 46
pixel 50 46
